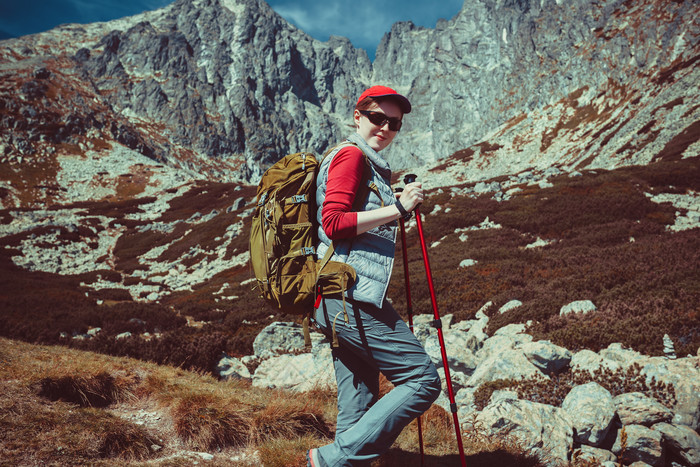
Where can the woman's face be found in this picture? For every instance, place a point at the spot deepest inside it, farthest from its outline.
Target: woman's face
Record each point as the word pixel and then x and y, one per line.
pixel 378 137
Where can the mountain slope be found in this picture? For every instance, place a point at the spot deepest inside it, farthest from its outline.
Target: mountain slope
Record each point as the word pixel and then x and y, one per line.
pixel 221 88
pixel 572 84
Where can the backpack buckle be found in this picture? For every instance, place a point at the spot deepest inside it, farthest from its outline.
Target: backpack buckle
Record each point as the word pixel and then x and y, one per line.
pixel 308 250
pixel 296 199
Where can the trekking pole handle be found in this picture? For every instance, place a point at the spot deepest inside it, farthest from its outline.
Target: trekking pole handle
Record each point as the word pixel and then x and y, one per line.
pixel 409 178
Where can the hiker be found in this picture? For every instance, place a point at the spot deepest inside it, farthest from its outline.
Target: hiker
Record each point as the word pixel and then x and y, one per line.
pixel 371 336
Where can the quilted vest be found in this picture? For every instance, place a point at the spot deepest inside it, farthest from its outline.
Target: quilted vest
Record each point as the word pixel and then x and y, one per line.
pixel 371 254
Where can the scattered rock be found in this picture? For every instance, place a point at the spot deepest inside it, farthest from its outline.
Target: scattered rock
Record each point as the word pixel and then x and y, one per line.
pixel 580 306
pixel 635 408
pixel 643 444
pixel 592 410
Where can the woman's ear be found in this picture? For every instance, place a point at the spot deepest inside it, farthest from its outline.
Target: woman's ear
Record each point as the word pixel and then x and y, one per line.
pixel 357 116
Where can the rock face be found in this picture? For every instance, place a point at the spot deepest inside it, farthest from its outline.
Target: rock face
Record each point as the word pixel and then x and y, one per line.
pixel 222 88
pixel 498 61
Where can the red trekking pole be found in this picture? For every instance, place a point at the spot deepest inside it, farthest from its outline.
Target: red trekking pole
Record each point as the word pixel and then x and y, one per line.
pixel 409 310
pixel 437 323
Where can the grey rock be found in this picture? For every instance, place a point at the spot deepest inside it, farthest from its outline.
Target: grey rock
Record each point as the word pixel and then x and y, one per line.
pixel 515 332
pixel 669 349
pixel 503 395
pixel 683 374
pixel 232 368
pixel 643 444
pixel 579 306
pixel 591 408
pixel 682 442
pixel 538 427
pixel 549 358
pixel 594 455
pixel 511 305
pixel 587 360
pixel 459 356
pixel 635 408
pixel 507 365
pixel 496 345
pixel 278 338
pixel 299 373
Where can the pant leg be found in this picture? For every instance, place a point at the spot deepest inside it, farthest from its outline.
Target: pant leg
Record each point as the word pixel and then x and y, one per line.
pixel 358 387
pixel 381 340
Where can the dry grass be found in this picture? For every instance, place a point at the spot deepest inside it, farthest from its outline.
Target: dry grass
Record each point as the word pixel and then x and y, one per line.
pixel 68 407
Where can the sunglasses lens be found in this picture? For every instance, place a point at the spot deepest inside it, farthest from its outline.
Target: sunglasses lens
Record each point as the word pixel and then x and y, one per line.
pixel 379 119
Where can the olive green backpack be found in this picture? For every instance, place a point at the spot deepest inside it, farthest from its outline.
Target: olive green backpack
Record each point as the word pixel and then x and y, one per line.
pixel 283 239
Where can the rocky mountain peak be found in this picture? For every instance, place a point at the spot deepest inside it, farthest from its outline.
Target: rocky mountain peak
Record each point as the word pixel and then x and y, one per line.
pixel 222 88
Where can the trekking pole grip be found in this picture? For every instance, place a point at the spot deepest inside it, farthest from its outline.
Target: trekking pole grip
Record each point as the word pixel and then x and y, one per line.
pixel 409 178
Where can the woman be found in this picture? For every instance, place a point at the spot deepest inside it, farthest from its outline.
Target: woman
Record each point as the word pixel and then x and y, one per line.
pixel 373 338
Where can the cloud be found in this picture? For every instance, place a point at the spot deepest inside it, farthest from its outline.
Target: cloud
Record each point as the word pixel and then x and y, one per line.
pixel 364 22
pixel 359 21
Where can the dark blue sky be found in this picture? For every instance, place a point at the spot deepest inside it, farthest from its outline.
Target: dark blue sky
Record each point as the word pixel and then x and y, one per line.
pixel 364 22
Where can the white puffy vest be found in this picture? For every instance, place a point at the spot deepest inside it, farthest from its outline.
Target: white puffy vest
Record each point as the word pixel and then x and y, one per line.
pixel 371 254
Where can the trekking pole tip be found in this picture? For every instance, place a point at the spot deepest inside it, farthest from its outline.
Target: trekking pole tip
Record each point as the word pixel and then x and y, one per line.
pixel 410 178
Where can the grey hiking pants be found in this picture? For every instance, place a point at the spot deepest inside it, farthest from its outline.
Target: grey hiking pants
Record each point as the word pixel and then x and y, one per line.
pixel 375 340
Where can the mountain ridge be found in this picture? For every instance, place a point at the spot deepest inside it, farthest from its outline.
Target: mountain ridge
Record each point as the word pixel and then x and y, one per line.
pixel 221 89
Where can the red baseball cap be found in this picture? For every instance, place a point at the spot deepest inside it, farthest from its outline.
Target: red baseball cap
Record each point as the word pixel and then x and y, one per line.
pixel 383 91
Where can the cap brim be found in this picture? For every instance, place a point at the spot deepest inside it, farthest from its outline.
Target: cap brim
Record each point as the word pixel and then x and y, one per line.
pixel 404 103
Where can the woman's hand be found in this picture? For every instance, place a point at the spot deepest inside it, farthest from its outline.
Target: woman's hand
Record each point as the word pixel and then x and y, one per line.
pixel 411 196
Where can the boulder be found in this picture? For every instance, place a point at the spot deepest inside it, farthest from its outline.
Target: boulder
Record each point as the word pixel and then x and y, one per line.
pixel 540 428
pixel 587 360
pixel 278 338
pixel 476 335
pixel 635 408
pixel 507 365
pixel 500 343
pixel 511 305
pixel 549 358
pixel 642 444
pixel 232 368
pixel 592 410
pixel 299 373
pixel 516 332
pixel 579 306
pixel 684 375
pixel 593 455
pixel 459 356
pixel 681 442
pixel 624 357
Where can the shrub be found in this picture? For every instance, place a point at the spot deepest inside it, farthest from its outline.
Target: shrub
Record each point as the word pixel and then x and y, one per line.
pixel 554 390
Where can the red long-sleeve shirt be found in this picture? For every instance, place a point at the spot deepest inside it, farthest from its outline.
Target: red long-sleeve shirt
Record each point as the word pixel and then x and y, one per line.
pixel 344 178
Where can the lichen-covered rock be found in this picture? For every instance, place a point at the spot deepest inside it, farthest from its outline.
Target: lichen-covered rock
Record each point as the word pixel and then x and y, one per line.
pixel 591 408
pixel 538 427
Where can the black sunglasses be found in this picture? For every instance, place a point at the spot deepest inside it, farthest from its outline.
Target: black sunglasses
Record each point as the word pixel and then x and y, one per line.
pixel 379 119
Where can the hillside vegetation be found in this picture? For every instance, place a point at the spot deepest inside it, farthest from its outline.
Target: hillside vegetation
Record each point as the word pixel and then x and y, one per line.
pixel 605 240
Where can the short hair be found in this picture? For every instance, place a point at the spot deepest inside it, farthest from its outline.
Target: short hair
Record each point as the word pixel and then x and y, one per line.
pixel 367 102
